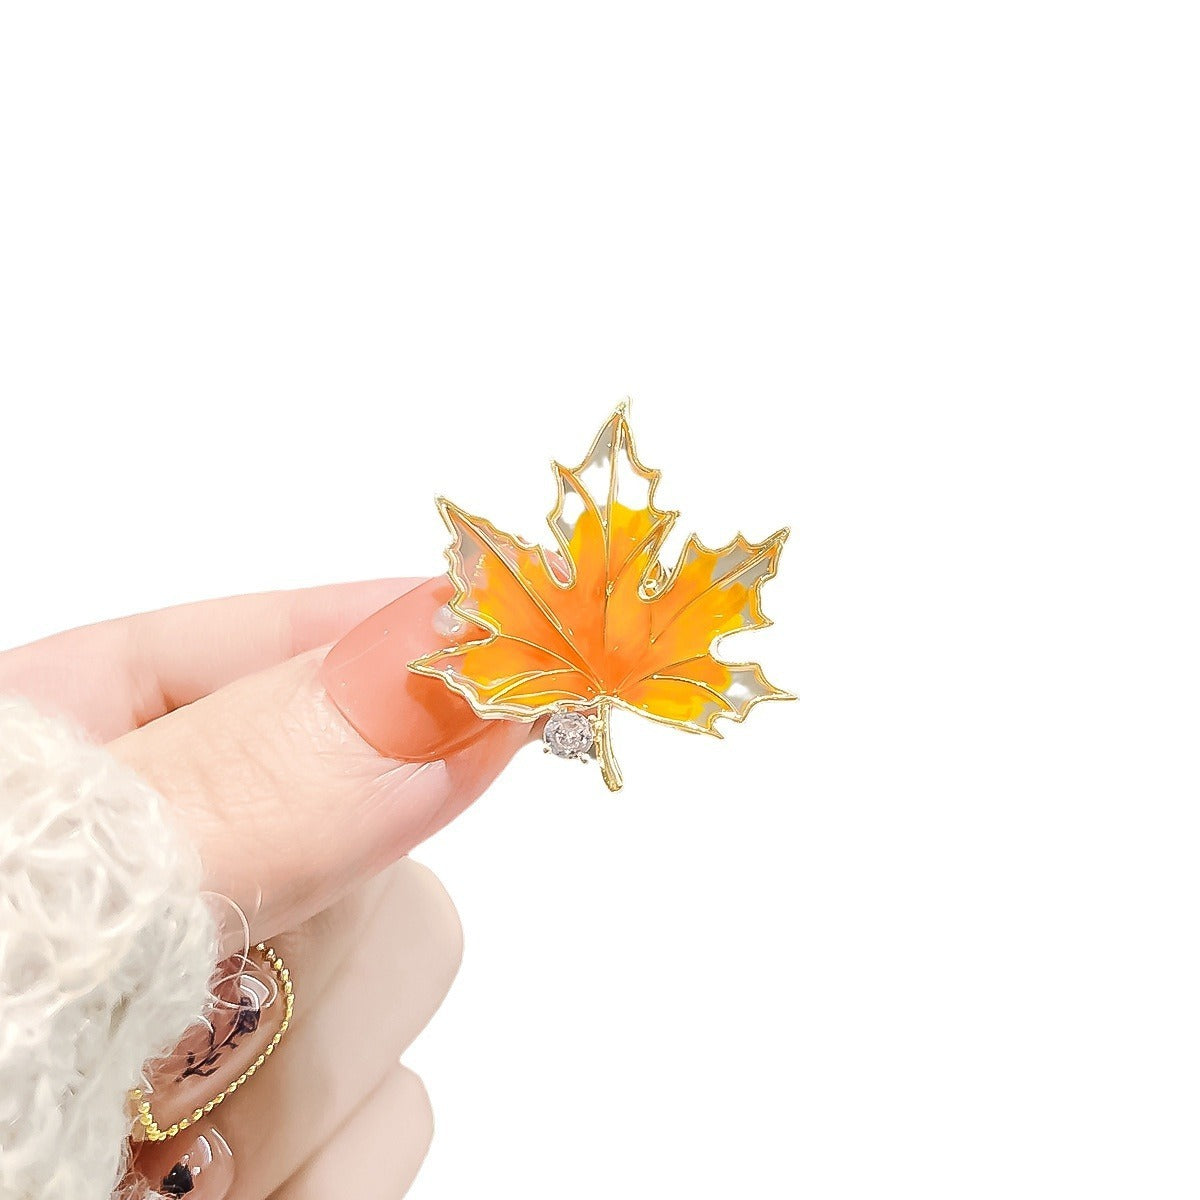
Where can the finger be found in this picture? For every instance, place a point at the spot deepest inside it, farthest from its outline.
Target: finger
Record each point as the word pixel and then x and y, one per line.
pixel 369 973
pixel 286 803
pixel 118 675
pixel 377 1152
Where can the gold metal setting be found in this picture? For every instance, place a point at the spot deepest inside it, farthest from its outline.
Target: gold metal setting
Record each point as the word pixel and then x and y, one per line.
pixel 153 1132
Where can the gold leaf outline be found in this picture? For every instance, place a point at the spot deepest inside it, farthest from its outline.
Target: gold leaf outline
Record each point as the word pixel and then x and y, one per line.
pixel 490 711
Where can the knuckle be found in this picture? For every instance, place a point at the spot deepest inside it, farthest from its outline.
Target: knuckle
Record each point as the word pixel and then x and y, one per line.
pixel 439 915
pixel 420 1108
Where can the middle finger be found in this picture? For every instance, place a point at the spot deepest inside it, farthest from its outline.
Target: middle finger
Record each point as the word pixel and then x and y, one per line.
pixel 369 973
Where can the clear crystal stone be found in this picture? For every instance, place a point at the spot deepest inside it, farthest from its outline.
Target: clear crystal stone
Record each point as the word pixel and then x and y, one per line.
pixel 569 734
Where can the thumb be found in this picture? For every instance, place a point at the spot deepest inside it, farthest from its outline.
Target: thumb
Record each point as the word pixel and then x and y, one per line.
pixel 287 802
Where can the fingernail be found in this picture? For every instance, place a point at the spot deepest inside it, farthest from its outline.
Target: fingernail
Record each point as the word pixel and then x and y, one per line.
pixel 401 714
pixel 204 1171
pixel 244 1014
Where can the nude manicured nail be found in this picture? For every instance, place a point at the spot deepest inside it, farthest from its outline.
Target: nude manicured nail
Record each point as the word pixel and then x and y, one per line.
pixel 401 714
pixel 246 1010
pixel 201 1170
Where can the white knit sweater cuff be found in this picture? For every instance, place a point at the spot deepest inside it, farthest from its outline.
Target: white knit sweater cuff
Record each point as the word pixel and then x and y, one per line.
pixel 106 949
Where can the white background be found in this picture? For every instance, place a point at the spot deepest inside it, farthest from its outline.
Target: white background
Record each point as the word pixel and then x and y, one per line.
pixel 919 280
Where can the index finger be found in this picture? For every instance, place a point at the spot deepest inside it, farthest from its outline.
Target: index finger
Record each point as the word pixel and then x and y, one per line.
pixel 118 675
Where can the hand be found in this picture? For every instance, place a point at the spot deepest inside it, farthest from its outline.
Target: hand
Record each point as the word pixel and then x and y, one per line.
pixel 302 777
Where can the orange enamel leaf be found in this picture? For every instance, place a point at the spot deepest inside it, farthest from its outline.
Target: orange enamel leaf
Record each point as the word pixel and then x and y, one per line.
pixel 602 623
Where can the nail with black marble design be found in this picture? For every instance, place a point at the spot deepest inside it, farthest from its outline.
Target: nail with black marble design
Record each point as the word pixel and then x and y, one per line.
pixel 178 1181
pixel 204 1171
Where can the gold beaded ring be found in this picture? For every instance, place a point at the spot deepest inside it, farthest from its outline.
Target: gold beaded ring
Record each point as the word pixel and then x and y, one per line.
pixel 153 1132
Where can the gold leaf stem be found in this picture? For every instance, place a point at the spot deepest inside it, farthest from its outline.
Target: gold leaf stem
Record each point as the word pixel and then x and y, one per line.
pixel 609 770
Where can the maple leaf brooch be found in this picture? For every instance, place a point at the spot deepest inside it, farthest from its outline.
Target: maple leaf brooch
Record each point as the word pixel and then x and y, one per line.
pixel 602 624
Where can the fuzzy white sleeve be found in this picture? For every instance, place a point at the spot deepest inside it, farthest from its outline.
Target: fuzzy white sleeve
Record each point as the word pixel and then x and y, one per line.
pixel 106 949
